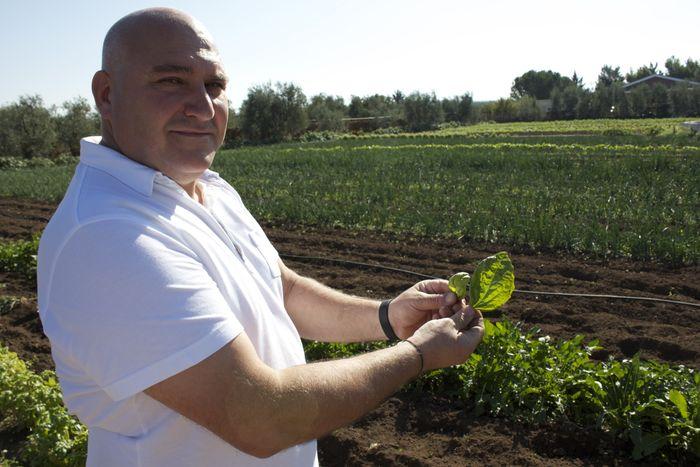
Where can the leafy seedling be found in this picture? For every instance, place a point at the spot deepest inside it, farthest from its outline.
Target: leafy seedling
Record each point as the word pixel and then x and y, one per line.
pixel 491 285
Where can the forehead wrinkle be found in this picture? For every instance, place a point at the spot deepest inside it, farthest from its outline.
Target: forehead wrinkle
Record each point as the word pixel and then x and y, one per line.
pixel 175 68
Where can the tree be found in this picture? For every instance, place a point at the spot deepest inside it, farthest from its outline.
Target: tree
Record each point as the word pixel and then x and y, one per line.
pixel 577 80
pixel 503 110
pixel 376 105
pixel 77 121
pixel 569 101
pixel 642 72
pixel 584 108
pixel 675 69
pixel 273 114
pixel 538 84
pixel 27 129
pixel 694 101
pixel 680 98
pixel 565 102
pixel 639 98
pixel 526 109
pixel 422 111
pixel 620 103
pixel 659 103
pixel 458 108
pixel 327 112
pixel 234 135
pixel 609 75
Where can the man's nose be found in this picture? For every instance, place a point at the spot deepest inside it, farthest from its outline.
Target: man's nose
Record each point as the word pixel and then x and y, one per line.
pixel 199 104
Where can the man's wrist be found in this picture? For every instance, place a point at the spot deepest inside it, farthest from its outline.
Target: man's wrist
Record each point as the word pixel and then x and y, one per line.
pixel 420 355
pixel 384 321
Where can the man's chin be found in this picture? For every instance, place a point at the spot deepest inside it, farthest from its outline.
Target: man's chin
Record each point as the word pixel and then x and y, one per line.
pixel 191 161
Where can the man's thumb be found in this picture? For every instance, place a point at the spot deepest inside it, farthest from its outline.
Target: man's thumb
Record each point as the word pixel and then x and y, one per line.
pixel 463 317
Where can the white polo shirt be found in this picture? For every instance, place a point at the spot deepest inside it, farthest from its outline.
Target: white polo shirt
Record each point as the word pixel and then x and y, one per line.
pixel 138 282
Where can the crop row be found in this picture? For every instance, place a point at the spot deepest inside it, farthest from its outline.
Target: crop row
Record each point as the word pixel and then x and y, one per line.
pixel 513 374
pixel 572 149
pixel 608 127
pixel 605 126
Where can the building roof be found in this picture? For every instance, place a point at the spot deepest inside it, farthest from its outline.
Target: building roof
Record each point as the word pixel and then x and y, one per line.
pixel 667 78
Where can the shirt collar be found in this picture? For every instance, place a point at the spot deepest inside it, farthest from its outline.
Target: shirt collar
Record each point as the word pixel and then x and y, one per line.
pixel 133 174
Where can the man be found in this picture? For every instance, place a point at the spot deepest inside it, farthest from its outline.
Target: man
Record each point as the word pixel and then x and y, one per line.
pixel 174 325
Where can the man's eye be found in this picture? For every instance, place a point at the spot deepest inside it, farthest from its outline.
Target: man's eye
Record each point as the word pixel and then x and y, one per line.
pixel 217 84
pixel 171 81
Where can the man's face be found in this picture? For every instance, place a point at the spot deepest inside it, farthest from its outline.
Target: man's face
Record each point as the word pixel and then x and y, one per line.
pixel 168 102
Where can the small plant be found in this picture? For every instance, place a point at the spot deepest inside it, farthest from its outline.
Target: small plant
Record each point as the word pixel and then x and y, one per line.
pixel 491 286
pixel 33 402
pixel 19 257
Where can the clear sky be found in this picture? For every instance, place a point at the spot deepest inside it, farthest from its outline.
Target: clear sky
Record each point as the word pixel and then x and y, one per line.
pixel 359 47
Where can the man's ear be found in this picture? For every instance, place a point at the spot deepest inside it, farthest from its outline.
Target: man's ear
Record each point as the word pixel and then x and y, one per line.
pixel 102 92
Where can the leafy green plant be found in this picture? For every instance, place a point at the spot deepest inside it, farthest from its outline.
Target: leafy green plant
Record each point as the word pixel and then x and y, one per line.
pixel 491 286
pixel 32 402
pixel 19 257
pixel 523 376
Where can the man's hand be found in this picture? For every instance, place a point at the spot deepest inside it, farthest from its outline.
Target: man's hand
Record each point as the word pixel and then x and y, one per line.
pixel 449 341
pixel 430 299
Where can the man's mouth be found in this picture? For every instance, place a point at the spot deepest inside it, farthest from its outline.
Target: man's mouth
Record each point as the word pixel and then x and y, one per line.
pixel 191 133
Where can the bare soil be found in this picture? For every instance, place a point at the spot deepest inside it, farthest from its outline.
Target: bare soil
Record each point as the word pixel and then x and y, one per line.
pixel 418 430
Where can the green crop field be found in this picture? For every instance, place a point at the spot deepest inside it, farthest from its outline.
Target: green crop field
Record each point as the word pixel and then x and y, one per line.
pixel 606 200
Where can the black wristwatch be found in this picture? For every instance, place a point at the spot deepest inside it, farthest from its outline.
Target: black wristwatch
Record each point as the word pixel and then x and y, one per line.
pixel 384 321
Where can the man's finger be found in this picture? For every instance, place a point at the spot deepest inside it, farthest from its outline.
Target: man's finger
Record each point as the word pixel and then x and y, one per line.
pixel 433 286
pixel 472 336
pixel 463 318
pixel 427 302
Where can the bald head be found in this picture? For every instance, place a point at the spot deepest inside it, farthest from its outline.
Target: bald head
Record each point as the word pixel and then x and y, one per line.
pixel 161 93
pixel 141 28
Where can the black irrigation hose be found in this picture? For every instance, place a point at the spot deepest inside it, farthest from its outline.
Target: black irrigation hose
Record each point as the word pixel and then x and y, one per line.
pixel 532 292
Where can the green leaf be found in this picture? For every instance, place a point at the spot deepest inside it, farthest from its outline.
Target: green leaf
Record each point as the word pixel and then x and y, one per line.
pixel 646 443
pixel 458 284
pixel 677 398
pixel 493 282
pixel 489 329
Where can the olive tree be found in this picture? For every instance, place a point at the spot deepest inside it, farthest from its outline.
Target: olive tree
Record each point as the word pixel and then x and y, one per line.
pixel 422 111
pixel 271 114
pixel 77 121
pixel 27 129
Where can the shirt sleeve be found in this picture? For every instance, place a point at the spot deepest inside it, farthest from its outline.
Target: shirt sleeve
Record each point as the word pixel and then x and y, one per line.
pixel 135 306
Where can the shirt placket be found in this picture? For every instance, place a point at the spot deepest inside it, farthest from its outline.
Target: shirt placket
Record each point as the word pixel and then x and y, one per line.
pixel 224 234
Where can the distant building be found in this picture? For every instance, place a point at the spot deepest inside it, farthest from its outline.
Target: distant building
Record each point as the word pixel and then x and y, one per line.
pixel 660 79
